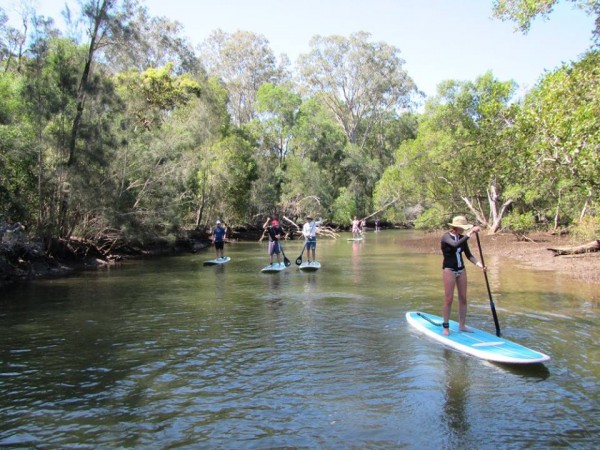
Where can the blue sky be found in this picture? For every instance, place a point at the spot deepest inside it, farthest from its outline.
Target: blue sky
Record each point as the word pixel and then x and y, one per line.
pixel 438 39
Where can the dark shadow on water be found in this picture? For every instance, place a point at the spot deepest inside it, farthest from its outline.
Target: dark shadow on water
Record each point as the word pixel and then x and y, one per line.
pixel 537 370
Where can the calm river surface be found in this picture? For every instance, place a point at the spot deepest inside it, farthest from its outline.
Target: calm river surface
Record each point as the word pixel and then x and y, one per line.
pixel 167 353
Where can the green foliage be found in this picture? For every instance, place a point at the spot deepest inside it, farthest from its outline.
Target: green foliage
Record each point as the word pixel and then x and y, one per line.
pixel 235 171
pixel 431 219
pixel 461 152
pixel 163 146
pixel 522 12
pixel 588 227
pixel 559 126
pixel 344 207
pixel 519 222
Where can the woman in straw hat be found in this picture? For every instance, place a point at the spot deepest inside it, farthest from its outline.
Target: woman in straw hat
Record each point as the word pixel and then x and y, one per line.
pixel 454 244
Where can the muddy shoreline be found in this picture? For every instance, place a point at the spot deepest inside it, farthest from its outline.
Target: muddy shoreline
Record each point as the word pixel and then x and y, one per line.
pixel 531 253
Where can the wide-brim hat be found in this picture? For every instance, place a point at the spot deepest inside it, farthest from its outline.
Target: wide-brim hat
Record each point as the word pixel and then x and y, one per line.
pixel 218 222
pixel 460 222
pixel 309 218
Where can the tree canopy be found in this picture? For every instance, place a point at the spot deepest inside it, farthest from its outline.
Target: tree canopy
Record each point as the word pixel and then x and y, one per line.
pixel 125 133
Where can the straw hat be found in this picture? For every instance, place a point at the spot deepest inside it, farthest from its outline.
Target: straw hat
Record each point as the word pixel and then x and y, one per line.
pixel 460 222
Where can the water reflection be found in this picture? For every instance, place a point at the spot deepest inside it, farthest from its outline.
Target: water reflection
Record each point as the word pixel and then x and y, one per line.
pixel 457 380
pixel 356 261
pixel 167 353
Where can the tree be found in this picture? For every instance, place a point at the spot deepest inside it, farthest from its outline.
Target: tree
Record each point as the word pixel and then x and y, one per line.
pixel 104 20
pixel 524 11
pixel 244 62
pixel 559 126
pixel 277 111
pixel 460 157
pixel 151 42
pixel 357 79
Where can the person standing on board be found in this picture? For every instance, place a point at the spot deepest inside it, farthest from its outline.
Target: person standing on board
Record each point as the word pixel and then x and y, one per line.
pixel 309 231
pixel 218 239
pixel 275 233
pixel 355 228
pixel 454 244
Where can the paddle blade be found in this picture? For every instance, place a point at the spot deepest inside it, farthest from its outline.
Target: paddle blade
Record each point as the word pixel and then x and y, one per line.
pixel 298 260
pixel 287 262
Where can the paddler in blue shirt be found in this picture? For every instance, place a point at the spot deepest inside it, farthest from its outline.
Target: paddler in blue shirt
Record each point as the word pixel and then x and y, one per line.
pixel 218 239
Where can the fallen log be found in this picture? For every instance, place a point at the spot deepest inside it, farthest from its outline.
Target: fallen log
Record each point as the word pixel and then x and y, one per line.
pixel 593 246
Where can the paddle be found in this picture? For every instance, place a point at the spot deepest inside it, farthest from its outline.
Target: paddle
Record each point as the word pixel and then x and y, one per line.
pixel 299 258
pixel 286 261
pixel 487 284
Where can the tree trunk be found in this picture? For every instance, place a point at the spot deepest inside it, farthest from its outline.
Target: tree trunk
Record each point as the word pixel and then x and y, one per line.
pixel 83 83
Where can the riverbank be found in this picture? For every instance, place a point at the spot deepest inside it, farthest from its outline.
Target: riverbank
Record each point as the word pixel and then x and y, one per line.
pixel 24 262
pixel 530 253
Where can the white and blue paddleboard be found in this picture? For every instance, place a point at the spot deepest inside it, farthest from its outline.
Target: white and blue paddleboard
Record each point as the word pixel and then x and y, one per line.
pixel 216 261
pixel 478 343
pixel 312 267
pixel 356 239
pixel 272 268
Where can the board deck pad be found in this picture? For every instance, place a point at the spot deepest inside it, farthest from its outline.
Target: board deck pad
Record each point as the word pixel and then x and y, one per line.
pixel 478 343
pixel 272 268
pixel 217 261
pixel 312 267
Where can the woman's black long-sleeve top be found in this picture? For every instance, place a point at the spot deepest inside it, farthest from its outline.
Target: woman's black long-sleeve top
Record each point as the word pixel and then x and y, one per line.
pixel 452 248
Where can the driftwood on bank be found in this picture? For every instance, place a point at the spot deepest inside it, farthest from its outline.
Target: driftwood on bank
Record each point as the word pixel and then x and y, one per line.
pixel 593 246
pixel 321 230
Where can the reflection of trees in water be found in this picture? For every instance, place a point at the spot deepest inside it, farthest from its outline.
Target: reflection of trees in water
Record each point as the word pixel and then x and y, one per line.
pixel 356 250
pixel 455 399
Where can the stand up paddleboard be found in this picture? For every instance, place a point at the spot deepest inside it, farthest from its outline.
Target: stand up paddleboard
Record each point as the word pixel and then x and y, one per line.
pixel 355 239
pixel 272 268
pixel 478 343
pixel 216 261
pixel 312 267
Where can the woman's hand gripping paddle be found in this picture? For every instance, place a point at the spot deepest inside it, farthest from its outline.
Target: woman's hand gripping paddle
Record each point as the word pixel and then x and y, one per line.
pixel 299 258
pixel 487 283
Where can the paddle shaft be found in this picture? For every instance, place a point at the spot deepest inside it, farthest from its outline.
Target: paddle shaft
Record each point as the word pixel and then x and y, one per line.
pixel 487 284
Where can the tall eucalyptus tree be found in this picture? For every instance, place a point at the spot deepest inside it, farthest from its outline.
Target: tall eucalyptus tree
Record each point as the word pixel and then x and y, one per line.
pixel 244 62
pixel 358 80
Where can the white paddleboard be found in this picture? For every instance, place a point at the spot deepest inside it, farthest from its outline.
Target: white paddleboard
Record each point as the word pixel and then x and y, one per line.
pixel 216 261
pixel 272 268
pixel 478 343
pixel 312 267
pixel 355 239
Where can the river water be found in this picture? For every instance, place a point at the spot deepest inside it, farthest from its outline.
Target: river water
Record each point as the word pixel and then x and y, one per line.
pixel 167 353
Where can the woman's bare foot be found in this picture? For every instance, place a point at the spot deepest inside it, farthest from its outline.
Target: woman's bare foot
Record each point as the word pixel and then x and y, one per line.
pixel 446 332
pixel 466 329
